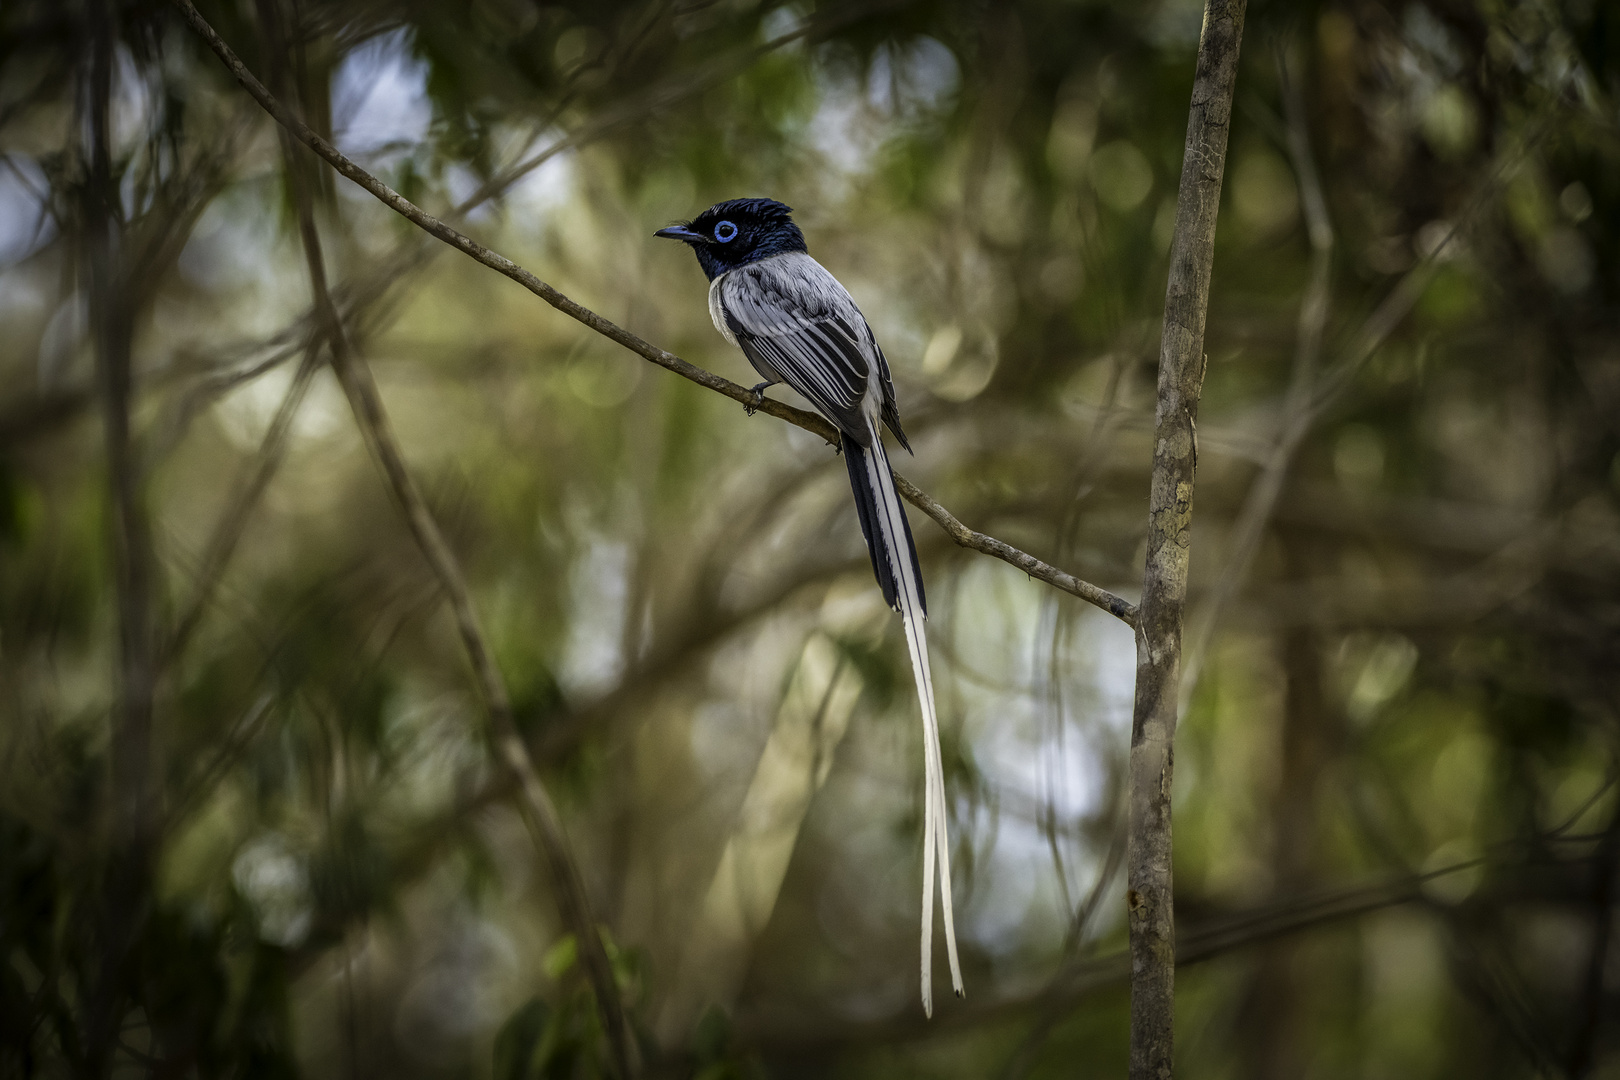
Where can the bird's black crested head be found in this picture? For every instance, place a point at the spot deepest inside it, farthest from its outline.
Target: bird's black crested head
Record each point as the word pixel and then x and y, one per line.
pixel 737 232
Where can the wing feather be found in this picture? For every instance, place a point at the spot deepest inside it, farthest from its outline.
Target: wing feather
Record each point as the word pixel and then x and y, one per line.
pixel 798 325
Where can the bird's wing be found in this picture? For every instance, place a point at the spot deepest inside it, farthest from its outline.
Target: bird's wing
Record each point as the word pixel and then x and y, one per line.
pixel 891 404
pixel 791 316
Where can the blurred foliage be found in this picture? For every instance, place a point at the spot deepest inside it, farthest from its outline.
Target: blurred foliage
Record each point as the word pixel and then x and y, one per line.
pixel 1397 831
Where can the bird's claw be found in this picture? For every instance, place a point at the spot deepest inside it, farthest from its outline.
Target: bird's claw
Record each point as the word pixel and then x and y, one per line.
pixel 759 399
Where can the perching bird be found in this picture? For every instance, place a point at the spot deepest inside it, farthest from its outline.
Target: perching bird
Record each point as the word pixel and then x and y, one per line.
pixel 798 325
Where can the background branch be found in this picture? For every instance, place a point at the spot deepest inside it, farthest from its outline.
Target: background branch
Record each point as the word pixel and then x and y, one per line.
pixel 245 495
pixel 128 812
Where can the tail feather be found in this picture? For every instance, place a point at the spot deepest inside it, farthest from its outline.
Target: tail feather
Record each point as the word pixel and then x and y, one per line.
pixel 894 561
pixel 868 501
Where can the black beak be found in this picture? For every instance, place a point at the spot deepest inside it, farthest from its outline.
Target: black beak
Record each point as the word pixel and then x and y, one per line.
pixel 681 232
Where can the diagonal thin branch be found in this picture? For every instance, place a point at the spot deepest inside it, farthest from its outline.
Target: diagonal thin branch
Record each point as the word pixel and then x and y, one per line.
pixel 1092 594
pixel 233 522
pixel 539 812
pixel 1116 606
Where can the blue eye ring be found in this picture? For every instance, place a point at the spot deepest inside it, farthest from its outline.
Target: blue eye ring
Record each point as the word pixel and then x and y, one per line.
pixel 725 232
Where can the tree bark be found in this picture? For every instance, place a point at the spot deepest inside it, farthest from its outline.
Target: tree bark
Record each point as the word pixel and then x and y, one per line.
pixel 1164 587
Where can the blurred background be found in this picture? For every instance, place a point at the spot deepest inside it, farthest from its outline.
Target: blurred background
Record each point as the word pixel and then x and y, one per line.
pixel 1397 840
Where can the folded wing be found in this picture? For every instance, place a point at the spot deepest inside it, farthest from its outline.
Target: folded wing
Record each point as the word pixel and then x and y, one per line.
pixel 797 324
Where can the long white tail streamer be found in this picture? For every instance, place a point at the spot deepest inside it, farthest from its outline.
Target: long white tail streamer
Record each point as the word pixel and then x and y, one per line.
pixel 936 842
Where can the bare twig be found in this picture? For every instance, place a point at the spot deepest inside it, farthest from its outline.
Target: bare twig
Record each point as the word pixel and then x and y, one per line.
pixel 608 329
pixel 1164 585
pixel 228 531
pixel 539 812
pixel 1116 606
pixel 241 734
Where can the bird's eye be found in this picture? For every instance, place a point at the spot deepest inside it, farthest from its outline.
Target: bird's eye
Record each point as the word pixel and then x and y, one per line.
pixel 725 232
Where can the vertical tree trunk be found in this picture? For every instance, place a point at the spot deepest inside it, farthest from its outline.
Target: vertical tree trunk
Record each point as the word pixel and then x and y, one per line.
pixel 1164 586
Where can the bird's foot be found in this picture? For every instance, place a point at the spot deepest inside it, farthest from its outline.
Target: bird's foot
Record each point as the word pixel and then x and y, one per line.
pixel 759 398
